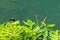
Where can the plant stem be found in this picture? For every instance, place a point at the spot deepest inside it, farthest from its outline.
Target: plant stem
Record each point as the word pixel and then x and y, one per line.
pixel 37 21
pixel 43 21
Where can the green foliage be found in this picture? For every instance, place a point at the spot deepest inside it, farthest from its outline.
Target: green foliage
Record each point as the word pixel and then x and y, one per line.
pixel 29 23
pixel 29 31
pixel 50 25
pixel 10 30
pixel 54 35
pixel 43 23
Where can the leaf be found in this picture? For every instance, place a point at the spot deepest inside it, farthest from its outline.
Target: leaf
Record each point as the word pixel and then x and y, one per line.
pixel 36 29
pixel 42 30
pixel 50 25
pixel 43 23
pixel 45 34
pixel 29 22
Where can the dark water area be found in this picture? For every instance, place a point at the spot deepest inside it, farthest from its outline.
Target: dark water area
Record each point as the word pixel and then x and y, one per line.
pixel 26 9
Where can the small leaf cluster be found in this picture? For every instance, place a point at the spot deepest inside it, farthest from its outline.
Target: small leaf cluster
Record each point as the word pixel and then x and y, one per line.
pixel 54 35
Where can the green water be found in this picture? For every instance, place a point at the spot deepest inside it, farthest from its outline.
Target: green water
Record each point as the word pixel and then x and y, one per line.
pixel 24 9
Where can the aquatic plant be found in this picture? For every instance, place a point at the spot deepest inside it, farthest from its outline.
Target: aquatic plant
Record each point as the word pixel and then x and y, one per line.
pixel 30 30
